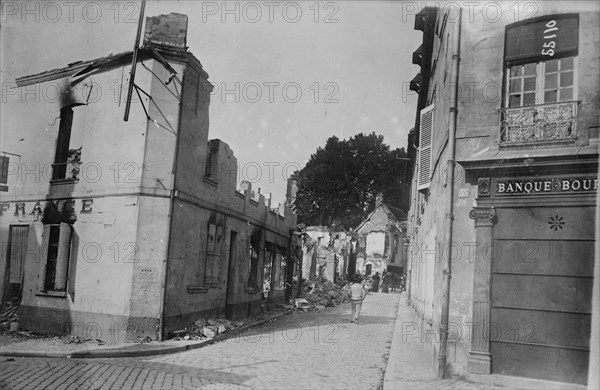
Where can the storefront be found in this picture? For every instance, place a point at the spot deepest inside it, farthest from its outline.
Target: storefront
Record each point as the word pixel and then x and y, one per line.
pixel 533 276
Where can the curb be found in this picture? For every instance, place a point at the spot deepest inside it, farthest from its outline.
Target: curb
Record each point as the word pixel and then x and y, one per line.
pixel 390 357
pixel 115 353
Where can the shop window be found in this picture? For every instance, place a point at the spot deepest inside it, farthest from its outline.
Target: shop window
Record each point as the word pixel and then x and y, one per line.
pixel 280 270
pixel 425 148
pixel 268 267
pixel 540 85
pixel 253 250
pixel 67 159
pixel 54 266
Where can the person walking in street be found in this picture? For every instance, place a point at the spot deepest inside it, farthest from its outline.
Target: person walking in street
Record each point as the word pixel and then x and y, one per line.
pixel 357 294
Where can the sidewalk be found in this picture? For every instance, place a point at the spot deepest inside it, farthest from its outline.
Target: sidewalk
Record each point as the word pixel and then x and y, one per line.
pixel 408 366
pixel 11 346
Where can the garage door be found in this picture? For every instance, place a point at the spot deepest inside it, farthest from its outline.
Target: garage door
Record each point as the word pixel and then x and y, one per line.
pixel 542 277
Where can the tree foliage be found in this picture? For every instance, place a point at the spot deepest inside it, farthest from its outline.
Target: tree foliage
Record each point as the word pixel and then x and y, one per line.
pixel 339 183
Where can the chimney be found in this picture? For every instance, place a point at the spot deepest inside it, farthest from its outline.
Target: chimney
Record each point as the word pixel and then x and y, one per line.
pixel 292 188
pixel 167 31
pixel 378 199
pixel 246 186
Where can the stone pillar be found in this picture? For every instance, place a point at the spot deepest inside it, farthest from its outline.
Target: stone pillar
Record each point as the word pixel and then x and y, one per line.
pixel 480 358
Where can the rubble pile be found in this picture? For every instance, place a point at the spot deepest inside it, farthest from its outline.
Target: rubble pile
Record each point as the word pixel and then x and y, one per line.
pixel 9 314
pixel 204 329
pixel 322 295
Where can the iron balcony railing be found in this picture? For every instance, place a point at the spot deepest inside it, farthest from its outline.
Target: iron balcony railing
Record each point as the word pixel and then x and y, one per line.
pixel 542 122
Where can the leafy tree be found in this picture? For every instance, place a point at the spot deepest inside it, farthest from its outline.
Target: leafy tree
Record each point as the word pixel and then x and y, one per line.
pixel 339 183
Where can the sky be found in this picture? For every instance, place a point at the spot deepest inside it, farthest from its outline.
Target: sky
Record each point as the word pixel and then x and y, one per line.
pixel 287 75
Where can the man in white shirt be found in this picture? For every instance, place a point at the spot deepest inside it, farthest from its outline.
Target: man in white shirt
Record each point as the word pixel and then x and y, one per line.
pixel 357 294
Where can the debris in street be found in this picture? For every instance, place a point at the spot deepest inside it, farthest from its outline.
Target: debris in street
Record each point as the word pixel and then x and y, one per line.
pixel 143 340
pixel 75 340
pixel 9 313
pixel 204 329
pixel 321 295
pixel 302 304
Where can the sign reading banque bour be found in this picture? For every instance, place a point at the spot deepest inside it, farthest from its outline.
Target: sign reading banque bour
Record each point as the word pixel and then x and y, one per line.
pixel 536 186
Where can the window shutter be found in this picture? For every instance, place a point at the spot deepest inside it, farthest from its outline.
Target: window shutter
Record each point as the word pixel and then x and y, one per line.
pixel 73 264
pixel 44 259
pixel 18 249
pixel 62 260
pixel 425 141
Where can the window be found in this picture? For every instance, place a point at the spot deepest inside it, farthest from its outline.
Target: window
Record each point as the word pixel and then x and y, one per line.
pixel 540 90
pixel 541 83
pixel 268 267
pixel 212 160
pixel 280 269
pixel 275 268
pixel 56 247
pixel 67 158
pixel 253 249
pixel 214 240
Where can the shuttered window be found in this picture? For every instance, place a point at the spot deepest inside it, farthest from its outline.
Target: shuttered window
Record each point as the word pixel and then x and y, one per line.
pixel 425 142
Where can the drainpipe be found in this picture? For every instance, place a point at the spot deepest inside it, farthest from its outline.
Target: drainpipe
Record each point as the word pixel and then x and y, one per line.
pixel 165 264
pixel 449 207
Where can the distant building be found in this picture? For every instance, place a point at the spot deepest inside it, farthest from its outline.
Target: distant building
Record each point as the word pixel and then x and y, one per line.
pixel 381 239
pixel 316 240
pixel 513 100
pixel 118 230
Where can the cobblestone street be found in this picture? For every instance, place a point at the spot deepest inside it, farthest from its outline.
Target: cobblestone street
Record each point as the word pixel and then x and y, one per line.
pixel 314 350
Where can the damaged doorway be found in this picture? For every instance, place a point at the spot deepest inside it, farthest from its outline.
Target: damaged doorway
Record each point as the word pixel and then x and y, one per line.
pixel 17 250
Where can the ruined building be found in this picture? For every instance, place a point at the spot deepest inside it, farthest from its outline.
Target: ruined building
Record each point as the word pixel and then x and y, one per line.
pixel 124 229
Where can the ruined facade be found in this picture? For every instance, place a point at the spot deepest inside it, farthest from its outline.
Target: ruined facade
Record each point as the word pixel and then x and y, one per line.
pixel 381 239
pixel 117 230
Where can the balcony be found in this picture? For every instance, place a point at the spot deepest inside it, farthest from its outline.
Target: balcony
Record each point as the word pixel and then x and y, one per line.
pixel 538 124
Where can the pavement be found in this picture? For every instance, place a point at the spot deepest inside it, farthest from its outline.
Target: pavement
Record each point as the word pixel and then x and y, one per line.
pixel 62 347
pixel 408 366
pixel 301 350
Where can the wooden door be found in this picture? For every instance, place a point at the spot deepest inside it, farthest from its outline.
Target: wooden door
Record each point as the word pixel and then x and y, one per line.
pixel 542 277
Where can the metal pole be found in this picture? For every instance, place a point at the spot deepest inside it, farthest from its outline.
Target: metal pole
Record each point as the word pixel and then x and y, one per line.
pixel 134 62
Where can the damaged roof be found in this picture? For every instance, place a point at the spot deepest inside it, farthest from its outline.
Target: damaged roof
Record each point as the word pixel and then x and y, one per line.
pixel 398 213
pixel 394 215
pixel 82 69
